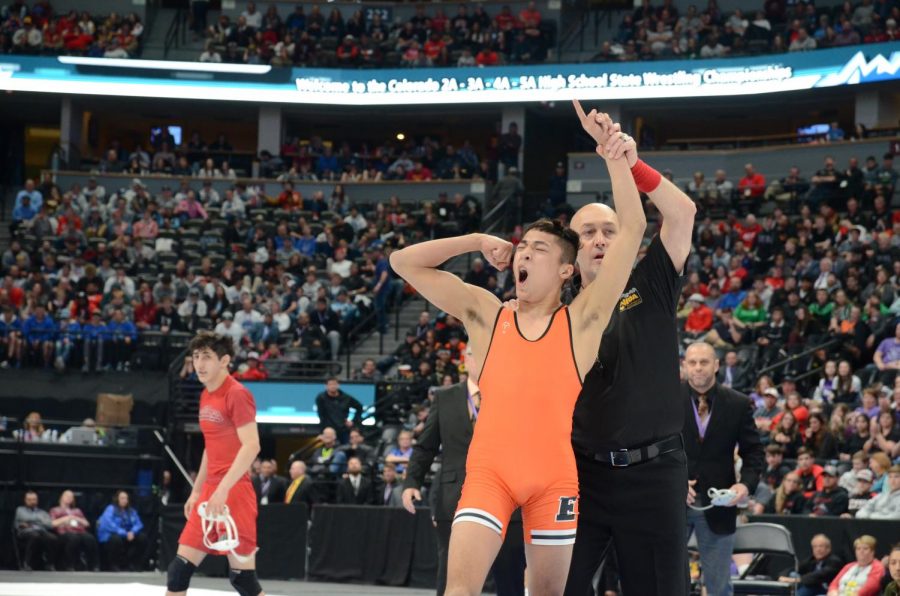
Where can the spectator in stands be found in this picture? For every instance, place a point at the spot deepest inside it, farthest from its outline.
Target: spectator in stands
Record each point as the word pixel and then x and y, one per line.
pixel 252 369
pixel 753 184
pixel 766 412
pixel 773 475
pixel 389 493
pixel 72 527
pixel 227 327
pixel 34 531
pixel 819 439
pixel 786 433
pixel 269 487
pixel 400 454
pixel 333 406
pixel 788 498
pixel 368 372
pixel 863 576
pixel 327 321
pixel 301 489
pixel 10 338
pixel 887 358
pixel 816 572
pixel 831 499
pixel 861 493
pixel 879 463
pixel 120 339
pixel 809 472
pixel 358 448
pixel 39 332
pixel 327 458
pixel 23 215
pixel 120 533
pixel 354 488
pixel 93 335
pixel 732 374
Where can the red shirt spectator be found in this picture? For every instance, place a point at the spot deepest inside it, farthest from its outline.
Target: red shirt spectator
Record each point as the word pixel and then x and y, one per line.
pixel 418 173
pixel 487 57
pixel 530 16
pixel 748 231
pixel 255 370
pixel 434 48
pixel 506 19
pixel 65 219
pixel 809 471
pixel 701 318
pixel 753 184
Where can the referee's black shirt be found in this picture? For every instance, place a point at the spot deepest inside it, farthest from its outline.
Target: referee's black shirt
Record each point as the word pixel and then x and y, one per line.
pixel 631 396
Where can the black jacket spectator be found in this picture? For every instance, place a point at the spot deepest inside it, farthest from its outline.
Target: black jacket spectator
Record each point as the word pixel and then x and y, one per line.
pixel 709 461
pixel 272 488
pixel 334 411
pixel 364 494
pixel 830 503
pixel 818 574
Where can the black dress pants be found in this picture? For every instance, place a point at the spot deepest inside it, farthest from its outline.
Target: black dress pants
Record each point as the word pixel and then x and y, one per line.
pixel 640 512
pixel 74 545
pixel 124 554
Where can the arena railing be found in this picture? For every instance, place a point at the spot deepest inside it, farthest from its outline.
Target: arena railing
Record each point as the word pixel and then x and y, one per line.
pixel 795 358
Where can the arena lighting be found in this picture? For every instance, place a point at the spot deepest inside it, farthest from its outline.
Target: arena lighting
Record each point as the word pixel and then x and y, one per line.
pixel 168 65
pixel 401 136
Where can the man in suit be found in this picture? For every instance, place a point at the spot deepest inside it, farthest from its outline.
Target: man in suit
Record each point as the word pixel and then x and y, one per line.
pixel 355 489
pixel 716 419
pixel 448 431
pixel 301 489
pixel 269 487
pixel 733 375
pixel 389 492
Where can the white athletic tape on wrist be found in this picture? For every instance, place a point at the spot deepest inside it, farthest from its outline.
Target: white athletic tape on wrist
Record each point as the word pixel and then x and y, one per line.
pixel 226 531
pixel 718 497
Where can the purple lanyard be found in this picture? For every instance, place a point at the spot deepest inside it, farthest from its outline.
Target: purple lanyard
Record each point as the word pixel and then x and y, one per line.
pixel 701 425
pixel 472 405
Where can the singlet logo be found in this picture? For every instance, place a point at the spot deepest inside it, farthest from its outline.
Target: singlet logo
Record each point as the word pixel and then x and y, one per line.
pixel 566 509
pixel 210 414
pixel 629 299
pixel 505 326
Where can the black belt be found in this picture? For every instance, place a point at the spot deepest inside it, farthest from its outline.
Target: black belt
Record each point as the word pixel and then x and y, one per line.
pixel 622 458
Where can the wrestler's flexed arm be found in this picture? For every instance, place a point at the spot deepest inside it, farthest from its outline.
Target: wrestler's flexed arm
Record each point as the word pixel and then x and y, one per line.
pixel 593 307
pixel 475 307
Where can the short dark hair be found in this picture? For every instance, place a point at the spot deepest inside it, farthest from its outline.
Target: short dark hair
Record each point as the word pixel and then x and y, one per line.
pixel 332 378
pixel 568 239
pixel 775 449
pixel 220 344
pixel 804 451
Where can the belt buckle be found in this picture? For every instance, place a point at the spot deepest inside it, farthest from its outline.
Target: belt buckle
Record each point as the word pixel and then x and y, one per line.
pixel 619 458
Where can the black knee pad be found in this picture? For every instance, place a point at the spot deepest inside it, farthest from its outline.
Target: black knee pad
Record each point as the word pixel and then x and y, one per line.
pixel 179 574
pixel 245 582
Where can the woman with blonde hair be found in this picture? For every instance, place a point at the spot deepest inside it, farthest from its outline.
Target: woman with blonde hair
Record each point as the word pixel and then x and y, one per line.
pixel 33 429
pixel 861 577
pixel 788 498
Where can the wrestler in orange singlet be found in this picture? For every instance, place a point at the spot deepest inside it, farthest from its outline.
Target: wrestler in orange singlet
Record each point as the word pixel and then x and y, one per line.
pixel 532 360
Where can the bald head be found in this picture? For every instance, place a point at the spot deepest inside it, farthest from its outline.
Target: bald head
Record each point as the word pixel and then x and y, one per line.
pixel 597 226
pixel 701 366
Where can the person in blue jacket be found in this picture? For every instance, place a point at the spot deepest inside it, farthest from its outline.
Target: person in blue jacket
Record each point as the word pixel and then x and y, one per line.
pixel 121 536
pixel 40 333
pixel 10 338
pixel 121 338
pixel 93 333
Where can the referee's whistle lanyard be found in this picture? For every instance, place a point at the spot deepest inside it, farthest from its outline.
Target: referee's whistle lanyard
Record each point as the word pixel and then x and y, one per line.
pixel 472 405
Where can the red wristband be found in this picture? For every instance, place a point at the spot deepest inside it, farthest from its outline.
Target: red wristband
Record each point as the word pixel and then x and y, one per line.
pixel 646 178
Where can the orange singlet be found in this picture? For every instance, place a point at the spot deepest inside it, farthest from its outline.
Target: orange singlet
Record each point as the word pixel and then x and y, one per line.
pixel 521 454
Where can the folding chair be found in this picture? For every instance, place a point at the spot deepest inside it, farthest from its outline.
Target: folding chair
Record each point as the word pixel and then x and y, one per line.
pixel 761 540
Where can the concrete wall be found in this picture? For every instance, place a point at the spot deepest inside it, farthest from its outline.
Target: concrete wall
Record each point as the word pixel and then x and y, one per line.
pixel 360 192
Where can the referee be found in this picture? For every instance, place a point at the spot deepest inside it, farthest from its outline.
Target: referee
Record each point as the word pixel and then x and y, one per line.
pixel 626 429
